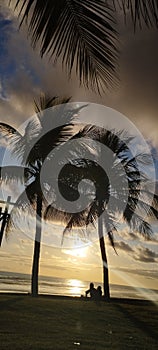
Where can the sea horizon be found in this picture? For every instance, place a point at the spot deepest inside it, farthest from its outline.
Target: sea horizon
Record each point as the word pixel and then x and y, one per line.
pixel 12 282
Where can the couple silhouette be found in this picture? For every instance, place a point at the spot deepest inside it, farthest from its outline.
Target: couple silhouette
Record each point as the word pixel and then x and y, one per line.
pixel 94 293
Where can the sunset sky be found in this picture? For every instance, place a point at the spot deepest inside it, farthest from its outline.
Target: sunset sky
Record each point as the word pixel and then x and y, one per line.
pixel 23 74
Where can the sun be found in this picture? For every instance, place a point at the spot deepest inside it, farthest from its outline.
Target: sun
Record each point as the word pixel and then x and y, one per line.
pixel 77 252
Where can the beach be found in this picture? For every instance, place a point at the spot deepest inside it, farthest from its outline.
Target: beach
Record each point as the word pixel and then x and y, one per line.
pixel 67 323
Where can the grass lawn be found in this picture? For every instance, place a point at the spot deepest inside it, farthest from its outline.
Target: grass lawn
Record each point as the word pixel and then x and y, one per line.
pixel 44 323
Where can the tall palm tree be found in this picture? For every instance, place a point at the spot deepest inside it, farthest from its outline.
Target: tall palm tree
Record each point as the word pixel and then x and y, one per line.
pixel 83 33
pixel 41 135
pixel 118 194
pixel 34 148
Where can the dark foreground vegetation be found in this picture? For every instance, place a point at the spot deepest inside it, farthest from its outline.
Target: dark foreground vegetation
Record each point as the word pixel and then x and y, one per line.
pixel 44 323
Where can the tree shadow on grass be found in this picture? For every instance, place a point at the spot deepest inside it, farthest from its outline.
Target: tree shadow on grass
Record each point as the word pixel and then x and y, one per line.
pixel 143 326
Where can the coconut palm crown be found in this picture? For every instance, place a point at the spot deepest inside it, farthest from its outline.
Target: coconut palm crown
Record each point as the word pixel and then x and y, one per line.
pixel 32 146
pixel 123 192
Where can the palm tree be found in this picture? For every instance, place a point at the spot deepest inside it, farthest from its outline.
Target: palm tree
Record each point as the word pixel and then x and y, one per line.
pixel 41 135
pixel 118 194
pixel 83 33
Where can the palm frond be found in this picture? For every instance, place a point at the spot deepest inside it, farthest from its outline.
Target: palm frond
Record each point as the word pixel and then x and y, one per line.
pixel 136 205
pixel 26 202
pixel 136 222
pixel 10 223
pixel 37 134
pixel 143 205
pixel 14 173
pixel 117 142
pixel 22 144
pixel 76 221
pixel 48 142
pixel 57 128
pixel 8 130
pixel 44 103
pixel 111 240
pixel 155 201
pixel 81 32
pixel 92 213
pixel 141 11
pixel 28 198
pixel 70 220
pixel 55 111
pixel 88 131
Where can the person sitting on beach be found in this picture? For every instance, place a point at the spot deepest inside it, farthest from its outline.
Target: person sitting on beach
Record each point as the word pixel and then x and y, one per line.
pixel 99 290
pixel 92 291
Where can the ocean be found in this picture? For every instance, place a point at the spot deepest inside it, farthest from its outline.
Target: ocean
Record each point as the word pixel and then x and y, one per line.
pixel 20 283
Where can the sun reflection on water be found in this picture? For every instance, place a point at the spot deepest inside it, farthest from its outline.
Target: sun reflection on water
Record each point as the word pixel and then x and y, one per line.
pixel 76 287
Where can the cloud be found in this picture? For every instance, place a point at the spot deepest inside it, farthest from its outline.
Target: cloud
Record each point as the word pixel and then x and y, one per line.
pixel 146 255
pixel 7 257
pixel 126 234
pixel 121 245
pixel 25 74
pixel 139 253
pixel 153 240
pixel 148 273
pixel 135 96
pixel 54 267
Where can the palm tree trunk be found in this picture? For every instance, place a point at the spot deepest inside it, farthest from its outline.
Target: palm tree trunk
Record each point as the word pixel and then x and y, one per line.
pixel 104 260
pixel 37 245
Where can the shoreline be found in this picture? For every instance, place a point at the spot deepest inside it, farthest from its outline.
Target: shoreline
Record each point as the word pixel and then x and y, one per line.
pixel 81 298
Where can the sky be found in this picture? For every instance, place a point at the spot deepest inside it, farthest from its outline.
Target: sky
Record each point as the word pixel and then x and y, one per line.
pixel 23 74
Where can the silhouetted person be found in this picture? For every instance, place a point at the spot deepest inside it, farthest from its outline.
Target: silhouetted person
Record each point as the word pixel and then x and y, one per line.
pixel 99 290
pixel 92 291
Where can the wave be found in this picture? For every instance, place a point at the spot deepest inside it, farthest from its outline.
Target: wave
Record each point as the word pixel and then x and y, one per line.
pixel 16 282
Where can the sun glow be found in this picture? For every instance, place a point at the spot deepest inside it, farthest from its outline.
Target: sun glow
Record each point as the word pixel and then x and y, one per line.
pixel 75 287
pixel 77 252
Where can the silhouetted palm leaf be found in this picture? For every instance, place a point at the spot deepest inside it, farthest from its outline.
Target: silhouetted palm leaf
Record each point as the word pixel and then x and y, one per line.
pixel 7 130
pixel 14 173
pixel 56 126
pixel 140 11
pixel 81 32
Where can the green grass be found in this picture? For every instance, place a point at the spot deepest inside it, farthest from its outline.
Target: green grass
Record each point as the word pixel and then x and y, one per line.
pixel 28 323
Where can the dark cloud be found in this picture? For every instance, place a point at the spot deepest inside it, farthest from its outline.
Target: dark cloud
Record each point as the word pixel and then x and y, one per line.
pixel 146 255
pixel 135 95
pixel 139 79
pixel 127 235
pixel 151 274
pixel 142 253
pixel 123 246
pixel 133 236
pixel 154 240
